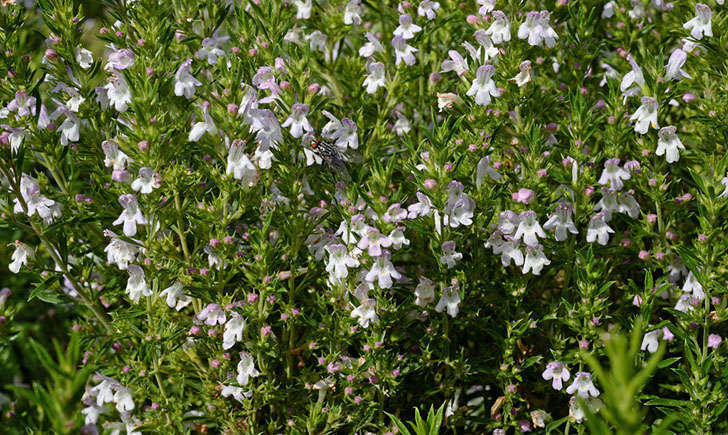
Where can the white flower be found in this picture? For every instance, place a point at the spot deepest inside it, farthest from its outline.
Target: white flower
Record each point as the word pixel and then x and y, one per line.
pixel 598 229
pixel 583 386
pixel 684 303
pixel 427 9
pixel 509 250
pixel 557 371
pixel 402 125
pixel 113 156
pixel 628 205
pixel 447 100
pixel 123 399
pixel 525 74
pixel 500 30
pixel 376 78
pixel 537 29
pixel 120 252
pixel 701 24
pixel 456 63
pixel 529 229
pixel 343 132
pixel 105 390
pixel 535 260
pixel 382 271
pixel 352 13
pixel 70 127
pixel 650 341
pixel 237 392
pixel 633 77
pixel 240 166
pixel 207 125
pixel 118 92
pixel 483 86
pixel 491 51
pixel 119 59
pixel 175 296
pixel 403 51
pixel 398 238
pixel 339 261
pixel 646 115
pixel 613 175
pixel 608 204
pixel 371 47
pixel 20 256
pixel 297 120
pixel 669 144
pixel 449 256
pixel 674 65
pixel 146 182
pixel 131 216
pixel 366 313
pixel 577 412
pixel 692 285
pixel 303 9
pixel 450 300
pixel 424 292
pixel 485 6
pixel 184 82
pixel 561 222
pixel 246 369
pixel 609 8
pixel 136 286
pixel 84 57
pixel 317 40
pixel 233 331
pixel 724 182
pixel 484 169
pixel 638 9
pixel 406 29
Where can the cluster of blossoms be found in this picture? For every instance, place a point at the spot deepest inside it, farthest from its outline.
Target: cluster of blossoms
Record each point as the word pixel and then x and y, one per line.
pixel 297 216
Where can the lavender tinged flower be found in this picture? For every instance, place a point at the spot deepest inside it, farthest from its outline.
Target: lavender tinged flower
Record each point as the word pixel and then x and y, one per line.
pixel 674 65
pixel 561 222
pixel 692 285
pixel 668 144
pixel 210 48
pixel 146 182
pixel 246 369
pixel 613 175
pixel 131 216
pixel 343 132
pixel 557 371
pixel 113 156
pixel 483 86
pixel 646 115
pixel 119 59
pixel 238 393
pixel 724 182
pixel 449 256
pixel 628 205
pixel 406 29
pixel 184 82
pixel 373 241
pixel 701 24
pixel 486 6
pixel 508 222
pixel 118 92
pixel 456 63
pixel 352 13
pixel 403 51
pixel 207 125
pixel 303 9
pixel 537 29
pixel 23 104
pixel 297 120
pixel 598 229
pixel 423 207
pixel 714 341
pixel 633 77
pixel 428 9
pixel 583 386
pixel 212 315
pixel 491 51
pixel 484 169
pixel 70 127
pixel 424 292
pixel 136 286
pixel 500 30
pixel 459 207
pixel 529 229
pixel 395 214
pixel 34 201
pixel 608 204
pixel 366 313
pixel 525 74
pixel 450 301
pixel 376 78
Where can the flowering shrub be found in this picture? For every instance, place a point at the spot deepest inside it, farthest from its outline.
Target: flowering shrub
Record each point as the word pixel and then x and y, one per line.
pixel 319 216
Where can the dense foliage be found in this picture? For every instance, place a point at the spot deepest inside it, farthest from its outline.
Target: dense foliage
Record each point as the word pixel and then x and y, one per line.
pixel 341 216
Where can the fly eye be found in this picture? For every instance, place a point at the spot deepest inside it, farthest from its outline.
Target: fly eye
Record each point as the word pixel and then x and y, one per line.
pixel 314 144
